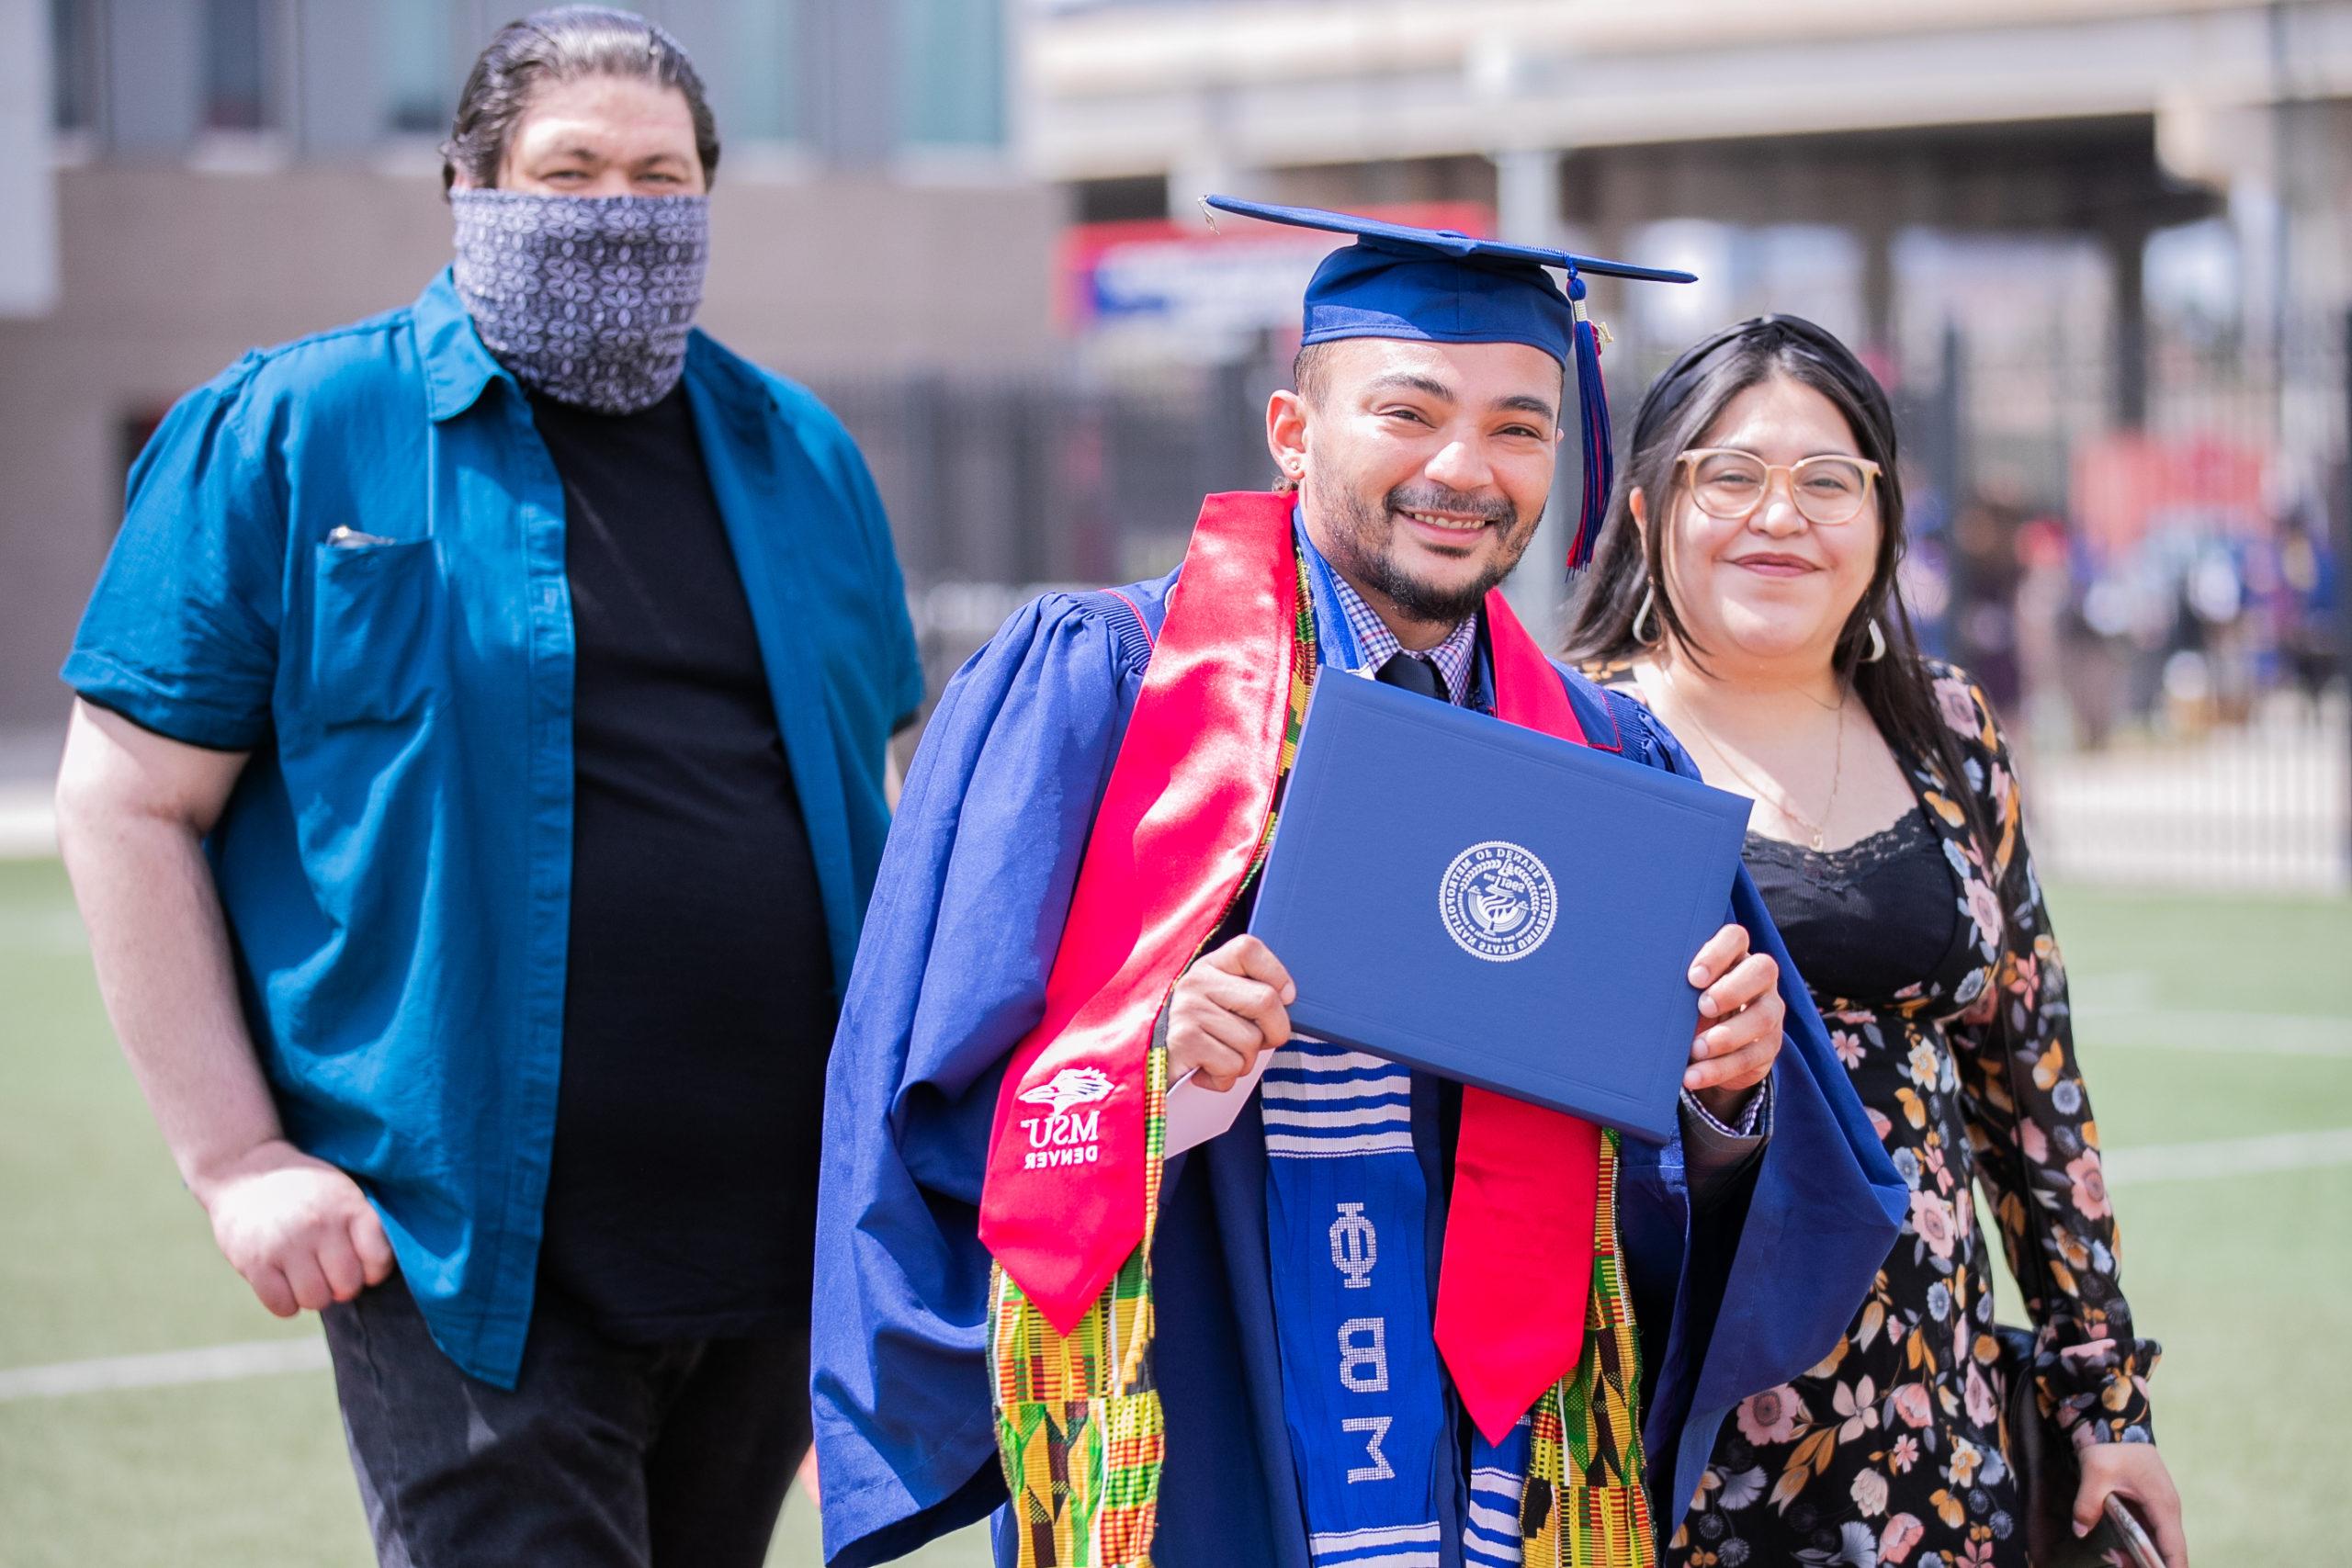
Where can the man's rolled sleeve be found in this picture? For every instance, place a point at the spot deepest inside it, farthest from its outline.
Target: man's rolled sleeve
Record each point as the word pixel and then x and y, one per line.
pixel 181 634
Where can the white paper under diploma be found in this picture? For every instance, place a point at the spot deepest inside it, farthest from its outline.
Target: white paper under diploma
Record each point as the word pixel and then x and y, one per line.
pixel 1196 1113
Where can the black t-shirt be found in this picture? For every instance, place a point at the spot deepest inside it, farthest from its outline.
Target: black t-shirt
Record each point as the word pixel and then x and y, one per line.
pixel 698 1003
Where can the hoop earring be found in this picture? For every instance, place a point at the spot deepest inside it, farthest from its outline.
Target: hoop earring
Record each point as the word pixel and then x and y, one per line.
pixel 1878 644
pixel 1644 614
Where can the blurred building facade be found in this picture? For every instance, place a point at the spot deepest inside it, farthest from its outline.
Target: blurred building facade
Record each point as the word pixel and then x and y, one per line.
pixel 206 176
pixel 1841 153
pixel 2100 250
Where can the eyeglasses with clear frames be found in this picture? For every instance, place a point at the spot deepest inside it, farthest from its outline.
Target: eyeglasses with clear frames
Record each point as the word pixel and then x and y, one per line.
pixel 1729 485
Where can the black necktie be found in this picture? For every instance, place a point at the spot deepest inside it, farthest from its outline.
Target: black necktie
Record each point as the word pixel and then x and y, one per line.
pixel 1414 673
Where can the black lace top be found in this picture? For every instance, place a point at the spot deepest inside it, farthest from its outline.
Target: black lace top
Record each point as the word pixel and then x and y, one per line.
pixel 1929 949
pixel 1863 922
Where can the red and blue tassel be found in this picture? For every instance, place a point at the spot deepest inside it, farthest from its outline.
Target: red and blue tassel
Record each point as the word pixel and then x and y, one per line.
pixel 1600 463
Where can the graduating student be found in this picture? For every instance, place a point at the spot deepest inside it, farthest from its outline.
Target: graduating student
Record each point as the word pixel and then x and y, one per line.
pixel 1378 1319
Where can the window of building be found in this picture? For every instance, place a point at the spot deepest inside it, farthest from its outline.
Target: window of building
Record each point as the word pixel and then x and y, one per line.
pixel 132 431
pixel 1120 201
pixel 73 64
pixel 236 65
pixel 951 73
pixel 420 78
pixel 753 72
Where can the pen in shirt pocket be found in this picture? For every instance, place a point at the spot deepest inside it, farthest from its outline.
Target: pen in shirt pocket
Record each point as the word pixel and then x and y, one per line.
pixel 343 538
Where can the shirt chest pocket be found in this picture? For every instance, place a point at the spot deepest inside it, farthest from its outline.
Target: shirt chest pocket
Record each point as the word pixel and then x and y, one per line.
pixel 376 616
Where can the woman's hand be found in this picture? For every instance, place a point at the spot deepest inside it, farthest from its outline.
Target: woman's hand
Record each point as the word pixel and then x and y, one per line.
pixel 1740 1019
pixel 2138 1473
pixel 1230 1005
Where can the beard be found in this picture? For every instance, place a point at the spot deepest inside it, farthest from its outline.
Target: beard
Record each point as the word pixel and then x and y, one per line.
pixel 1362 549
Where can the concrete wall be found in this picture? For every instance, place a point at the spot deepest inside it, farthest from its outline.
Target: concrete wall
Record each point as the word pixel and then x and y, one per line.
pixel 169 275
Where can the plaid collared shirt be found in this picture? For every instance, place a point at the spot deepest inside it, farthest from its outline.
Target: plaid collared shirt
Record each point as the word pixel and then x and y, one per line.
pixel 1454 657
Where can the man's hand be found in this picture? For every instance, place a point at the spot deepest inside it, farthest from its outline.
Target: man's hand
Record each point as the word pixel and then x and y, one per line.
pixel 2138 1471
pixel 1740 1019
pixel 297 1228
pixel 1230 1005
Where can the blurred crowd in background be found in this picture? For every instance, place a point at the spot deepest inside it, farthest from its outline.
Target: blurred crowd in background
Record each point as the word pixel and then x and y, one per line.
pixel 2100 250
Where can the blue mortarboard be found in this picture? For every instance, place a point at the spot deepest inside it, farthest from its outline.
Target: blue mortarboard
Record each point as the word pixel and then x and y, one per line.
pixel 1438 286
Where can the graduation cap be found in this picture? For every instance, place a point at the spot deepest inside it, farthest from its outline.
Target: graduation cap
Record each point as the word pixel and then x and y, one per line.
pixel 1440 285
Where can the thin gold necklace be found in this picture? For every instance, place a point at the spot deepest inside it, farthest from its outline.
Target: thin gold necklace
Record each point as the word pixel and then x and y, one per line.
pixel 1774 798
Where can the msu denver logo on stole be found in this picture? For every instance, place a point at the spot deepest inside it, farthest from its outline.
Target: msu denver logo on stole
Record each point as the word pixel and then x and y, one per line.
pixel 1497 901
pixel 1065 1134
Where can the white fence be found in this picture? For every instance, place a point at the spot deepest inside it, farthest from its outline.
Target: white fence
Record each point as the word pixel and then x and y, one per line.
pixel 2266 807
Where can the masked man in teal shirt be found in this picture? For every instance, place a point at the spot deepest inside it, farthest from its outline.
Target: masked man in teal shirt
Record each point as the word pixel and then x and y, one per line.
pixel 475 787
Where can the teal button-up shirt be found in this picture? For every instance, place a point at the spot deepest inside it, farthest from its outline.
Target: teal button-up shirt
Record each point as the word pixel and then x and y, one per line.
pixel 346 557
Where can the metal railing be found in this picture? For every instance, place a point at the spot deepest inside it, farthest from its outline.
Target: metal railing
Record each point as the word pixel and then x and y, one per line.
pixel 2156 606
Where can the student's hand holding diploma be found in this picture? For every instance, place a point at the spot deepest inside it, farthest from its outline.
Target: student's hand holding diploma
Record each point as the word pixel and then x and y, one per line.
pixel 1231 1005
pixel 1740 1019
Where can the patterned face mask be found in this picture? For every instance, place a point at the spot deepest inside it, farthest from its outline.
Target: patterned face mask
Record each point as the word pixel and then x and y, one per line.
pixel 586 299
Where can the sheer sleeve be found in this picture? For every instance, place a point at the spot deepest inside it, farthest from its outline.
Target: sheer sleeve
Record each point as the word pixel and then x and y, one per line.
pixel 2030 1117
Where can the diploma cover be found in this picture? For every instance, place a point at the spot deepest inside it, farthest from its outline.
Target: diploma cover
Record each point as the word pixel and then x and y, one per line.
pixel 1494 905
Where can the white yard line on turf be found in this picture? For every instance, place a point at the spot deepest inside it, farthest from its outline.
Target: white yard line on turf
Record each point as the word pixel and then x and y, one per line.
pixel 168 1369
pixel 2269 1154
pixel 28 820
pixel 2218 1157
pixel 2188 1028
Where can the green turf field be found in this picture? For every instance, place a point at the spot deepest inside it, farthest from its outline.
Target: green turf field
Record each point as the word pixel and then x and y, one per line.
pixel 2204 1020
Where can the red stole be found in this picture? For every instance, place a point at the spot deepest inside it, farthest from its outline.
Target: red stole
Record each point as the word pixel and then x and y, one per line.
pixel 1180 822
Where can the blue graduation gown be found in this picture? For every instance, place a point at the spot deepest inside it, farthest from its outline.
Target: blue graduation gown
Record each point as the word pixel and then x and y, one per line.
pixel 966 919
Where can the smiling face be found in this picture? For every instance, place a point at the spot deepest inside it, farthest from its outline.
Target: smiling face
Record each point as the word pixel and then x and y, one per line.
pixel 1772 588
pixel 603 135
pixel 1422 469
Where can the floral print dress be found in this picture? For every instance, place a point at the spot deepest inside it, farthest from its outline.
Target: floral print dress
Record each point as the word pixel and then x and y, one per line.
pixel 1891 1450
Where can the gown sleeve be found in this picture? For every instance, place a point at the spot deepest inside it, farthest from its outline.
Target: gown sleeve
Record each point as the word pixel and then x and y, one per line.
pixel 966 919
pixel 2029 1118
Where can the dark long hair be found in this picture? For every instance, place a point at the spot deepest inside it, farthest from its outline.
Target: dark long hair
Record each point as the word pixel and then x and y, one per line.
pixel 564 44
pixel 1680 406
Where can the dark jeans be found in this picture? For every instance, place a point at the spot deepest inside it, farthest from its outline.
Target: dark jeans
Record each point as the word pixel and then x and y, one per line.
pixel 605 1456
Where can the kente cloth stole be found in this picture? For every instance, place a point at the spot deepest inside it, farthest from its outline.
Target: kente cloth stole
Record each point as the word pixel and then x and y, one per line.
pixel 1072 1185
pixel 1080 1428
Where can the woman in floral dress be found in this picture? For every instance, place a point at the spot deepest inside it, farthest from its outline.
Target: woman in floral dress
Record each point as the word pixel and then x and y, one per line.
pixel 1745 588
